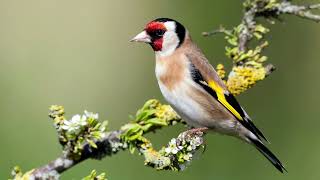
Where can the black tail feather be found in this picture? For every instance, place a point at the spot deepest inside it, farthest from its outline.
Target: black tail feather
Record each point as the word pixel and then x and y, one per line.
pixel 255 130
pixel 268 154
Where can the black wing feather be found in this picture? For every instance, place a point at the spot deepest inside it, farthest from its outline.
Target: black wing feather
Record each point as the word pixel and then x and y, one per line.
pixel 246 122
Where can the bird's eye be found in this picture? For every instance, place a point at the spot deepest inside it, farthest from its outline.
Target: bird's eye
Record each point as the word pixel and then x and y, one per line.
pixel 159 32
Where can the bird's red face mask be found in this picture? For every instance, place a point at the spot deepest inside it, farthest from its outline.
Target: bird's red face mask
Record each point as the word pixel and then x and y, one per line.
pixel 163 34
pixel 153 35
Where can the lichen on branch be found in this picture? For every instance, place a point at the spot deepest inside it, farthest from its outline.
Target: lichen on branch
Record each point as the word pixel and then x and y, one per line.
pixel 249 63
pixel 83 137
pixel 79 130
pixel 152 116
pixel 94 176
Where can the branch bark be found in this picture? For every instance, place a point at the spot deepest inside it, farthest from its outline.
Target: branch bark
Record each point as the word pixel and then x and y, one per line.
pixel 67 161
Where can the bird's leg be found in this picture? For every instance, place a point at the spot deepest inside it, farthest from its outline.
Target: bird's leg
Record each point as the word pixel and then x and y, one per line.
pixel 198 132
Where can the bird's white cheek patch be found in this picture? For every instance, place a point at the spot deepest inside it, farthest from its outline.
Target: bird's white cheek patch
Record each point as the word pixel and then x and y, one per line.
pixel 170 25
pixel 170 40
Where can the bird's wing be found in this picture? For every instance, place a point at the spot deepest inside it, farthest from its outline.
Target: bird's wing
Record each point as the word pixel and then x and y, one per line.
pixel 204 74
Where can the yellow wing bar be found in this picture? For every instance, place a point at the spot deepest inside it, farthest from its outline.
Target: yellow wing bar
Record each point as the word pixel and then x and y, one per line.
pixel 222 99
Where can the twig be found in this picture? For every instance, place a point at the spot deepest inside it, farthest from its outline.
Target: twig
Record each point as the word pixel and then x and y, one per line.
pixel 249 63
pixel 217 31
pixel 300 11
pixel 67 161
pixel 247 27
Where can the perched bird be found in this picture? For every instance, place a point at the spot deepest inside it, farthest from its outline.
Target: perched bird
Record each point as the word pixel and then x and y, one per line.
pixel 193 88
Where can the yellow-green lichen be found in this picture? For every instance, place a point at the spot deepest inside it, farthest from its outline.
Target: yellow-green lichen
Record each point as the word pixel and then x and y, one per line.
pixel 17 174
pixel 242 78
pixel 77 131
pixel 267 5
pixel 156 159
pixel 56 112
pixel 153 115
pixel 94 176
pixel 221 71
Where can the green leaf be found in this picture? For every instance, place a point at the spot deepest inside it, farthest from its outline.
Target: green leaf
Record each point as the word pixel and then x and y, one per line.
pixel 132 148
pixel 131 128
pixel 146 127
pixel 257 35
pixel 262 59
pixel 157 121
pixel 104 125
pixel 96 126
pixel 92 143
pixel 233 41
pixel 96 134
pixel 261 29
pixel 145 115
pixel 93 176
pixel 135 136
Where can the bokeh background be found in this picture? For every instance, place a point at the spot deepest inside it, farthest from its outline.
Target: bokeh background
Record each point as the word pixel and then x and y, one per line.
pixel 76 53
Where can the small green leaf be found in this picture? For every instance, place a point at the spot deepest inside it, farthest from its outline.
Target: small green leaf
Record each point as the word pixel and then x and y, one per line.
pixel 96 134
pixel 232 40
pixel 146 127
pixel 145 115
pixel 131 128
pixel 257 35
pixel 157 121
pixel 93 176
pixel 262 59
pixel 92 143
pixel 96 126
pixel 135 136
pixel 132 148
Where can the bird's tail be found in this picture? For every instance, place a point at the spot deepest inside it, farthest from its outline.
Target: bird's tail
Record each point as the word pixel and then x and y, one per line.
pixel 268 154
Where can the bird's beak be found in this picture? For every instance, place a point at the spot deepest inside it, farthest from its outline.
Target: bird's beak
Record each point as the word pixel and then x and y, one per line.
pixel 142 37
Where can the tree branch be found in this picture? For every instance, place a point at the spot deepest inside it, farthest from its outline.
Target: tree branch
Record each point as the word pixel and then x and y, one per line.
pixel 249 63
pixel 287 7
pixel 78 145
pixel 66 160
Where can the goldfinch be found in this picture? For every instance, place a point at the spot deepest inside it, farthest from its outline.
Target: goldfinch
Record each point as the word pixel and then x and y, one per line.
pixel 193 88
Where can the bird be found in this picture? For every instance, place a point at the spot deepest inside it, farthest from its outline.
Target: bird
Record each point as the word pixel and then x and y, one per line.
pixel 190 84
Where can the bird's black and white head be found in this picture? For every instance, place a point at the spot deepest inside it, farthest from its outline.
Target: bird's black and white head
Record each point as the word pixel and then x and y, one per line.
pixel 163 34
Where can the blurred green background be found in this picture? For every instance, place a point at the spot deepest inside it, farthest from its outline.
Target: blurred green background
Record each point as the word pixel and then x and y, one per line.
pixel 76 53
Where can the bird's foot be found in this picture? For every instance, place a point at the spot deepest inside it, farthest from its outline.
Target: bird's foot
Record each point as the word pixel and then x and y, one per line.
pixel 197 131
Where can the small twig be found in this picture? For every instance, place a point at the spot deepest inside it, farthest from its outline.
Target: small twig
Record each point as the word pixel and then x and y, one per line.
pixel 269 69
pixel 300 11
pixel 221 29
pixel 248 25
pixel 313 6
pixel 250 60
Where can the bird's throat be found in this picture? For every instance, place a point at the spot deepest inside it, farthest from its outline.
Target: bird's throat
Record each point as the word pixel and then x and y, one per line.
pixel 157 44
